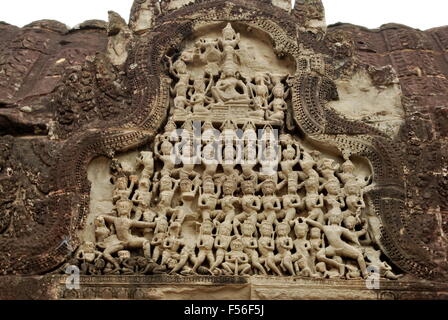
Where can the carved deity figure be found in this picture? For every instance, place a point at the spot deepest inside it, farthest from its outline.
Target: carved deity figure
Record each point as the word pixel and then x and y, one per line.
pixel 209 53
pixel 266 246
pixel 209 157
pixel 328 168
pixel 248 163
pixel 146 160
pixel 102 232
pixel 236 261
pixel 87 252
pixel 269 163
pixel 166 155
pixel 302 246
pixel 373 260
pixel 260 91
pixel 228 201
pixel 205 244
pixel 229 42
pixel 291 202
pixel 307 164
pixel 337 246
pixel 284 245
pixel 250 204
pixel 180 71
pixel 222 243
pixel 188 189
pixel 167 187
pixel 230 90
pixel 122 190
pixel 123 226
pixel 208 198
pixel 189 160
pixel 186 255
pixel 278 106
pixel 160 234
pixel 142 198
pixel 291 157
pixel 271 203
pixel 347 174
pixel 171 245
pixel 251 245
pixel 353 198
pixel 199 95
pixel 334 198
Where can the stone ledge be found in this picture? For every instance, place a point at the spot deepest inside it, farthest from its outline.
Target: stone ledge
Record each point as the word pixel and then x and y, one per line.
pixel 163 287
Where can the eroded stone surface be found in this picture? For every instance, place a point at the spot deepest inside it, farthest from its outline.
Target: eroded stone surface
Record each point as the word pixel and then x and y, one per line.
pixel 380 106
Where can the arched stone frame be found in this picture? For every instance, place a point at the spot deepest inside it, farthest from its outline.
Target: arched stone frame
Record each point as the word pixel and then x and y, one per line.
pixel 70 204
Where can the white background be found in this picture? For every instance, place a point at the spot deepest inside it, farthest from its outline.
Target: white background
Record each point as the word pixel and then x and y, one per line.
pixel 369 13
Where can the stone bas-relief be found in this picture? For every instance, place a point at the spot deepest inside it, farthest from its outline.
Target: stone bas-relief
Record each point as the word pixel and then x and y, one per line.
pixel 222 195
pixel 315 154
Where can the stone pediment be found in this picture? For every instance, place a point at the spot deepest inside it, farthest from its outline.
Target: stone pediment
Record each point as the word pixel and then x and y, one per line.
pixel 219 143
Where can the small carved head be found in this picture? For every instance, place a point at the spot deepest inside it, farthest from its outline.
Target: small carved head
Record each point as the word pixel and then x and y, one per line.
pixel 333 187
pixel 146 158
pixel 248 187
pixel 166 147
pixel 348 166
pixel 248 229
pixel 302 263
pixel 283 229
pixel 350 222
pixel 266 229
pixel 228 32
pixel 174 229
pixel 301 229
pixel 315 233
pixel 207 227
pixel 335 219
pixel 278 92
pixel 208 185
pixel 121 183
pixel 229 186
pixel 321 267
pixel 225 229
pixel 180 66
pixel 124 207
pixel 289 153
pixel 237 245
pixel 166 183
pixel 268 187
pixel 186 185
pixel 307 163
pixel 352 187
pixel 144 184
pixel 124 254
pixel 99 222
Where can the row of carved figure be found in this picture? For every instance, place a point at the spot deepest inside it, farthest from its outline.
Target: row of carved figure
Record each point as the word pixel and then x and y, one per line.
pixel 241 232
pixel 248 193
pixel 313 250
